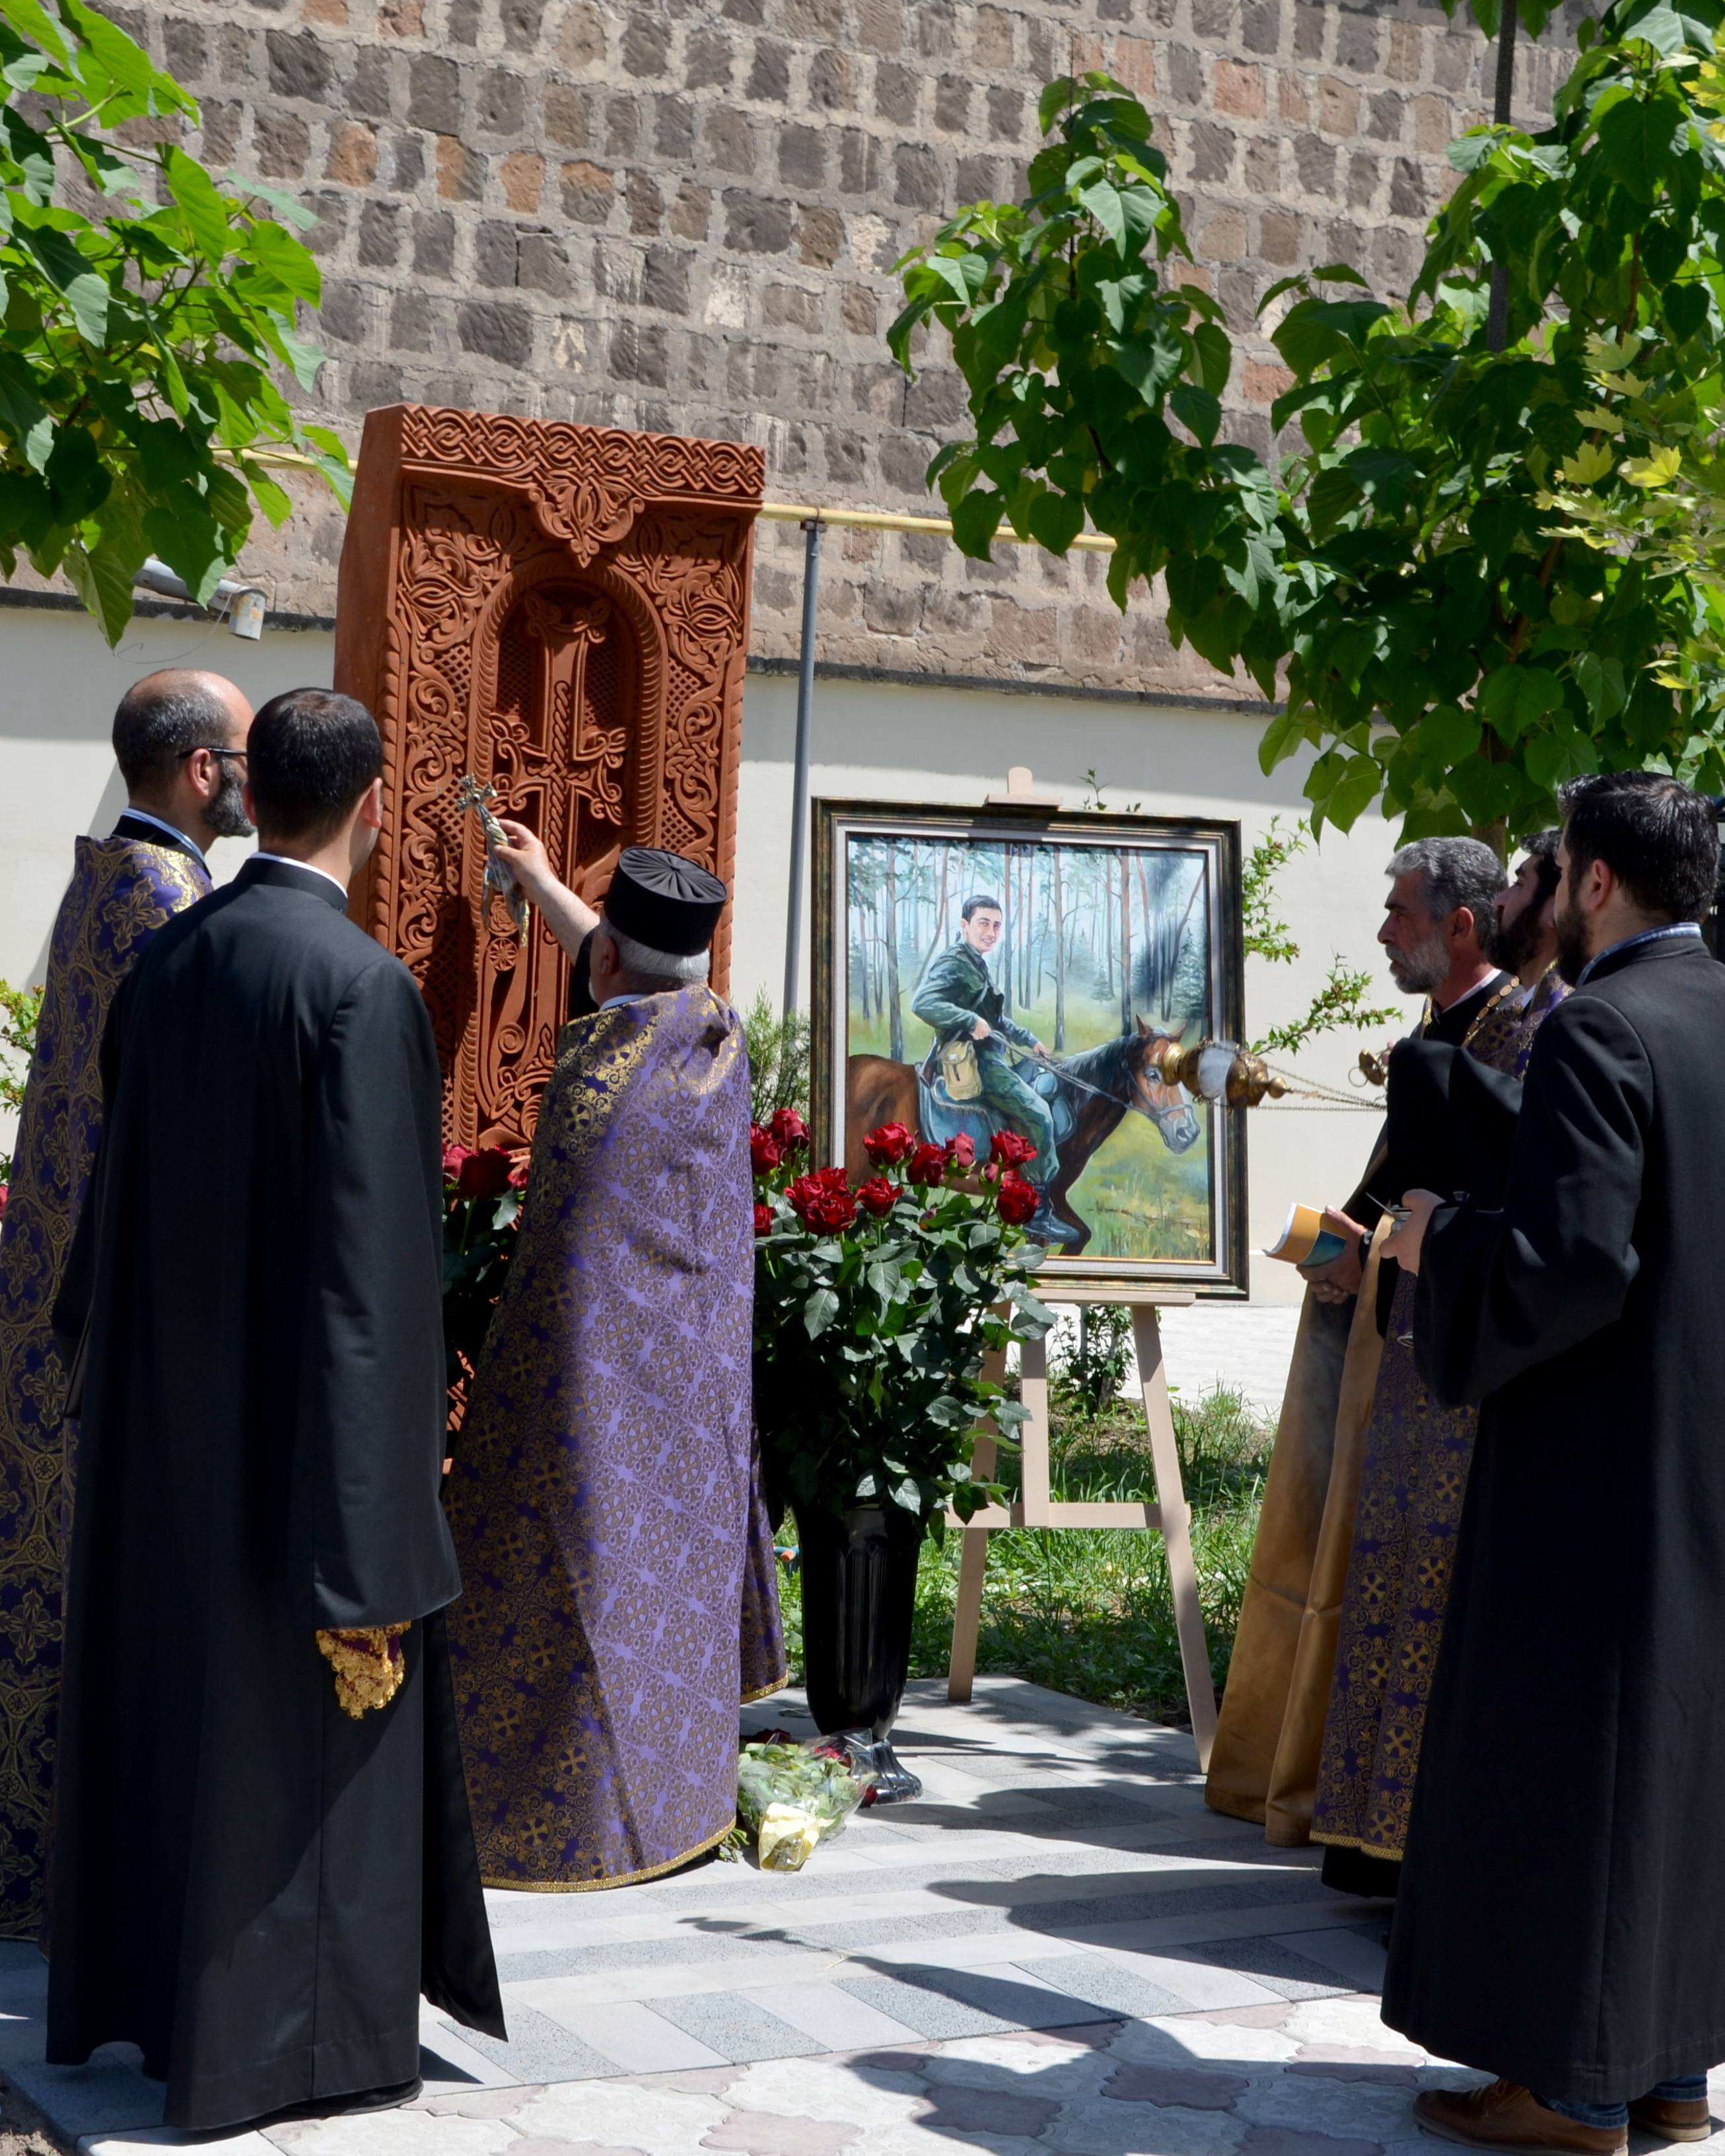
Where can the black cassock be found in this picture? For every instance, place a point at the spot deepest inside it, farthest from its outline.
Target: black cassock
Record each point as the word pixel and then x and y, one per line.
pixel 248 1884
pixel 1561 1921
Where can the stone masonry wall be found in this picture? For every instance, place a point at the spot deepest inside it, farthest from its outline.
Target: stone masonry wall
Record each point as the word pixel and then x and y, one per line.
pixel 683 217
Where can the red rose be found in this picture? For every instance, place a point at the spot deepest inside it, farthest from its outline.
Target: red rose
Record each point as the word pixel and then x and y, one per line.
pixel 1016 1198
pixel 928 1164
pixel 889 1143
pixel 1008 1150
pixel 455 1158
pixel 485 1173
pixel 518 1176
pixel 790 1130
pixel 877 1196
pixel 962 1151
pixel 764 1218
pixel 5 1189
pixel 764 1149
pixel 822 1201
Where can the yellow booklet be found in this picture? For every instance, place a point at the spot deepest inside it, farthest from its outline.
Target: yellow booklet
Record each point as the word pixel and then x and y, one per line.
pixel 1304 1240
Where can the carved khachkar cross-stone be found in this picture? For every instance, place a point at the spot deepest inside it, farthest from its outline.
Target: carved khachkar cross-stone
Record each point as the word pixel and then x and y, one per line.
pixel 563 613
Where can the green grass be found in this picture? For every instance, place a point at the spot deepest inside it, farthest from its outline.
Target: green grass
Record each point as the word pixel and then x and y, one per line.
pixel 1090 1612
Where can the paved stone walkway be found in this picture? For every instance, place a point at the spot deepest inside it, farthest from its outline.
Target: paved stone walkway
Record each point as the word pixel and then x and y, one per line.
pixel 1057 1951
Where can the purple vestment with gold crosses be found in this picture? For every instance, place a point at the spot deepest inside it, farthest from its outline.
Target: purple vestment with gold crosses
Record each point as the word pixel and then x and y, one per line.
pixel 619 1600
pixel 1412 1484
pixel 122 891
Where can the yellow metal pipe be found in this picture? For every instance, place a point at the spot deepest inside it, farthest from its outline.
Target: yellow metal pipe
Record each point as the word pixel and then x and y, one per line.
pixel 774 512
pixel 886 520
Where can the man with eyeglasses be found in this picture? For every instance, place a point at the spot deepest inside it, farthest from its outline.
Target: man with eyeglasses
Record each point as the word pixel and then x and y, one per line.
pixel 179 738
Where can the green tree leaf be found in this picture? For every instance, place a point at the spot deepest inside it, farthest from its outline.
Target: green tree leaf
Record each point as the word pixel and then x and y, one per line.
pixel 1637 136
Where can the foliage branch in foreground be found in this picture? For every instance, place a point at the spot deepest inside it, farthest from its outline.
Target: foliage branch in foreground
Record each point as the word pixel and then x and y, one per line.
pixel 141 334
pixel 1410 576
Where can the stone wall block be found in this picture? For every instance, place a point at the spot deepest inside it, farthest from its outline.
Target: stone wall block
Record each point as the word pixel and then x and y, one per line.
pixel 500 105
pixel 494 255
pixel 281 144
pixel 1028 635
pixel 918 181
pixel 381 234
pixel 568 116
pixel 521 176
pixel 646 204
pixel 769 77
pixel 820 238
pixel 410 321
pixel 407 163
pixel 1337 107
pixel 542 263
pixel 756 224
pixel 588 192
pixel 522 22
pixel 460 172
pixel 1183 78
pixel 434 94
pixel 300 64
pixel 433 244
pixel 994 39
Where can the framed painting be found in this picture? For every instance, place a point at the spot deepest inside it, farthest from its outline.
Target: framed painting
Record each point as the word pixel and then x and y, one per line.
pixel 1013 970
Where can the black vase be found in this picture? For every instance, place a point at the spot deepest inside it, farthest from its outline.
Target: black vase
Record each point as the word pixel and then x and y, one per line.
pixel 859 1574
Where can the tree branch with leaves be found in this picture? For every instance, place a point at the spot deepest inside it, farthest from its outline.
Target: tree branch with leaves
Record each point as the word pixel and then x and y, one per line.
pixel 142 341
pixel 1404 579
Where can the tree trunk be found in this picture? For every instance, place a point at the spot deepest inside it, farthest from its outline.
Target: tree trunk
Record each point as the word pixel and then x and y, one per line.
pixel 1026 928
pixel 894 1014
pixel 1060 931
pixel 1497 311
pixel 1126 946
pixel 1496 835
pixel 1008 911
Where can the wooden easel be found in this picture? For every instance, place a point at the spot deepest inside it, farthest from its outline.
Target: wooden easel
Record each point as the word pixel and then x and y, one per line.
pixel 1170 1514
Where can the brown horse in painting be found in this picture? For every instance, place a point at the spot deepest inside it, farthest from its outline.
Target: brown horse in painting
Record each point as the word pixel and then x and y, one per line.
pixel 1105 1083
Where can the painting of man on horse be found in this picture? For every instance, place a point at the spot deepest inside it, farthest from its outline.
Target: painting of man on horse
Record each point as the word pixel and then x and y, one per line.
pixel 1035 988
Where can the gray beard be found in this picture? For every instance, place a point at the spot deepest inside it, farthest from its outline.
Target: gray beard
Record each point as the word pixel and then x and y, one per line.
pixel 1422 971
pixel 226 814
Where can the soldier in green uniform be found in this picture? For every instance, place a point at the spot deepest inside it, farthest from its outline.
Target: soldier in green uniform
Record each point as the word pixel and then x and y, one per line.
pixel 957 997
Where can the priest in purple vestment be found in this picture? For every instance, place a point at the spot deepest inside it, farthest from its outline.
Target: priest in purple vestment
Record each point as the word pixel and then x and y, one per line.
pixel 618 1599
pixel 179 738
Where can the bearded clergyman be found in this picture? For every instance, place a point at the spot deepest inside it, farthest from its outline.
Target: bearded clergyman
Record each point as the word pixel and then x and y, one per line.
pixel 1561 1921
pixel 179 739
pixel 1452 1121
pixel 1438 925
pixel 619 1601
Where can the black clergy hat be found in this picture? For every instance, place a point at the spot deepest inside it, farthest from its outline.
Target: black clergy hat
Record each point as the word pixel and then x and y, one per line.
pixel 663 902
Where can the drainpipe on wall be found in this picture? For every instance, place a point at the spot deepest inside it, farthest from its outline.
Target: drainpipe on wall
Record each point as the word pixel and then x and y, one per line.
pixel 799 782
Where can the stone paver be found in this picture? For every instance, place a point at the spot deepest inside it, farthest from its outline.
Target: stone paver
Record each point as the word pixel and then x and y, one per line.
pixel 1059 1952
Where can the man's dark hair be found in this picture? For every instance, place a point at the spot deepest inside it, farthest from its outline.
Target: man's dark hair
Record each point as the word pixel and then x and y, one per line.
pixel 1542 847
pixel 162 718
pixel 313 753
pixel 976 904
pixel 1453 873
pixel 1657 837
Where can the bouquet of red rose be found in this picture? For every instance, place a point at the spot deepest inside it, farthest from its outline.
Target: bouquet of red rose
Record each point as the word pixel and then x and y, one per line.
pixel 482 1204
pixel 875 1308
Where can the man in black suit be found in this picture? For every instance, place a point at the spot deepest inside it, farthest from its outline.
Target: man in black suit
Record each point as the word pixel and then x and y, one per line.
pixel 1561 1921
pixel 263 1852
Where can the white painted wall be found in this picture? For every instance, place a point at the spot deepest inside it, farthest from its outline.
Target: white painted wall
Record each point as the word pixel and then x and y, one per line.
pixel 59 683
